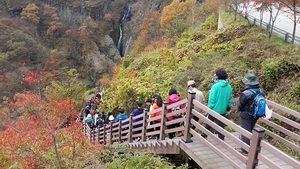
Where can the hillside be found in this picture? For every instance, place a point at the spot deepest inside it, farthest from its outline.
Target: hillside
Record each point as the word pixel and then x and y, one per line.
pixel 239 49
pixel 81 35
pixel 53 51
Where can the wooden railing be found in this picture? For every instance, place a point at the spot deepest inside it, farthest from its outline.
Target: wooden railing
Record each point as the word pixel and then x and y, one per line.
pixel 126 131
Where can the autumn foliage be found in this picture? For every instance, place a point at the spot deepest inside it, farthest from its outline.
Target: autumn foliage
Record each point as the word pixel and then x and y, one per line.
pixel 38 131
pixel 34 136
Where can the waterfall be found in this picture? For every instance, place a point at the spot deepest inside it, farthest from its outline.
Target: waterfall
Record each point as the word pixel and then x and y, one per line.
pixel 125 18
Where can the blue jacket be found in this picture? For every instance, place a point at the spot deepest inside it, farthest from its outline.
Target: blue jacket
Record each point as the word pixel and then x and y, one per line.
pixel 122 117
pixel 137 112
pixel 89 119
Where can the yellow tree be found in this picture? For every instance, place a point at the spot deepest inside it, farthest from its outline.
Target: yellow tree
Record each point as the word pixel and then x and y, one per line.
pixel 174 17
pixel 31 13
pixel 148 32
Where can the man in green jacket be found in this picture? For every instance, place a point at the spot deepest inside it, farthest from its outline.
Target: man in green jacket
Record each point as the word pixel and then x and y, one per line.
pixel 220 100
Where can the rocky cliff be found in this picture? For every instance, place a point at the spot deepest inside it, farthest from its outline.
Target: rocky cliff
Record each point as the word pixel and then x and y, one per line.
pixel 86 47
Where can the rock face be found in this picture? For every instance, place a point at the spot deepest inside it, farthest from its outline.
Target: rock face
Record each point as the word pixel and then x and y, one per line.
pixel 138 14
pixel 106 53
pixel 73 12
pixel 103 52
pixel 103 56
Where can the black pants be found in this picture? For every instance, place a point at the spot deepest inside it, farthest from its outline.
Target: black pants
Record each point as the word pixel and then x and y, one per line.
pixel 197 120
pixel 247 124
pixel 172 135
pixel 221 124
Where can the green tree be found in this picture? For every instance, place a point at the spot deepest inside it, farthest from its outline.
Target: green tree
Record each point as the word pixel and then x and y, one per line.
pixel 70 88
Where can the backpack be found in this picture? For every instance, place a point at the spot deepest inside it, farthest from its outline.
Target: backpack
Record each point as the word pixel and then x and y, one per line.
pixel 176 108
pixel 259 104
pixel 89 123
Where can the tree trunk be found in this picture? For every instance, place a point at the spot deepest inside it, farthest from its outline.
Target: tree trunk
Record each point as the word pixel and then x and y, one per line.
pixel 235 11
pixel 56 151
pixel 261 18
pixel 295 23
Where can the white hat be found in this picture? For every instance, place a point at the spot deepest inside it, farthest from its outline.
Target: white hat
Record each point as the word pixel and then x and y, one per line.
pixel 111 117
pixel 89 115
pixel 190 82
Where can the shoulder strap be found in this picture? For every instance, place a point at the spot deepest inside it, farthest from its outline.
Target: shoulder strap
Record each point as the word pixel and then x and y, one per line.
pixel 253 91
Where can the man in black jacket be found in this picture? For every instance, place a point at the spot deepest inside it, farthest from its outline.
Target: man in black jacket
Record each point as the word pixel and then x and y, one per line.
pixel 245 106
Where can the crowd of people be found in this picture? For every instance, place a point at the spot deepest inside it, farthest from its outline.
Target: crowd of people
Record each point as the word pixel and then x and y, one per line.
pixel 219 100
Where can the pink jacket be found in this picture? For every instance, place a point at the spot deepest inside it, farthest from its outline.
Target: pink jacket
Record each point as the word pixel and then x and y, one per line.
pixel 173 99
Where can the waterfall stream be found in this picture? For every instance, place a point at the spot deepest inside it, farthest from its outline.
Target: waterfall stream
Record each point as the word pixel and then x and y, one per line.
pixel 125 18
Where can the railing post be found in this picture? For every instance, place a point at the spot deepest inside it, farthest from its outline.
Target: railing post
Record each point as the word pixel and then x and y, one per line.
pixel 286 37
pixel 144 129
pixel 111 133
pixel 187 135
pixel 104 134
pixel 163 121
pixel 97 135
pixel 84 128
pixel 120 131
pixel 267 29
pixel 90 134
pixel 257 136
pixel 94 135
pixel 130 128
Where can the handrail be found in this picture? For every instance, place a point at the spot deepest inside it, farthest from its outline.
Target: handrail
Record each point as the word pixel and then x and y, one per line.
pixel 283 108
pixel 128 130
pixel 224 120
pixel 284 157
pixel 290 133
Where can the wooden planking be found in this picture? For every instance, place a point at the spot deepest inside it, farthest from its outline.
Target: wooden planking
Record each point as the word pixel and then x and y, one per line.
pixel 202 154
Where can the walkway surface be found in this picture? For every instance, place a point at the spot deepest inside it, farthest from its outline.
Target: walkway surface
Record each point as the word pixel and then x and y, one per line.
pixel 210 152
pixel 206 157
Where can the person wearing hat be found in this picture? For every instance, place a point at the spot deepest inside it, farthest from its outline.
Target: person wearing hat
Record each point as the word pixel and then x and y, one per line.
pixel 246 99
pixel 219 100
pixel 111 119
pixel 215 78
pixel 191 85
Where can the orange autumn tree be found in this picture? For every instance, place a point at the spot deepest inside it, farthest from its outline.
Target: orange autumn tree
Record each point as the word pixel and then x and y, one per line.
pixel 41 133
pixel 36 139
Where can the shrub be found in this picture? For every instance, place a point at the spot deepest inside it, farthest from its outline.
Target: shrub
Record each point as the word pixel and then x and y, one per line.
pixel 273 69
pixel 295 91
pixel 137 161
